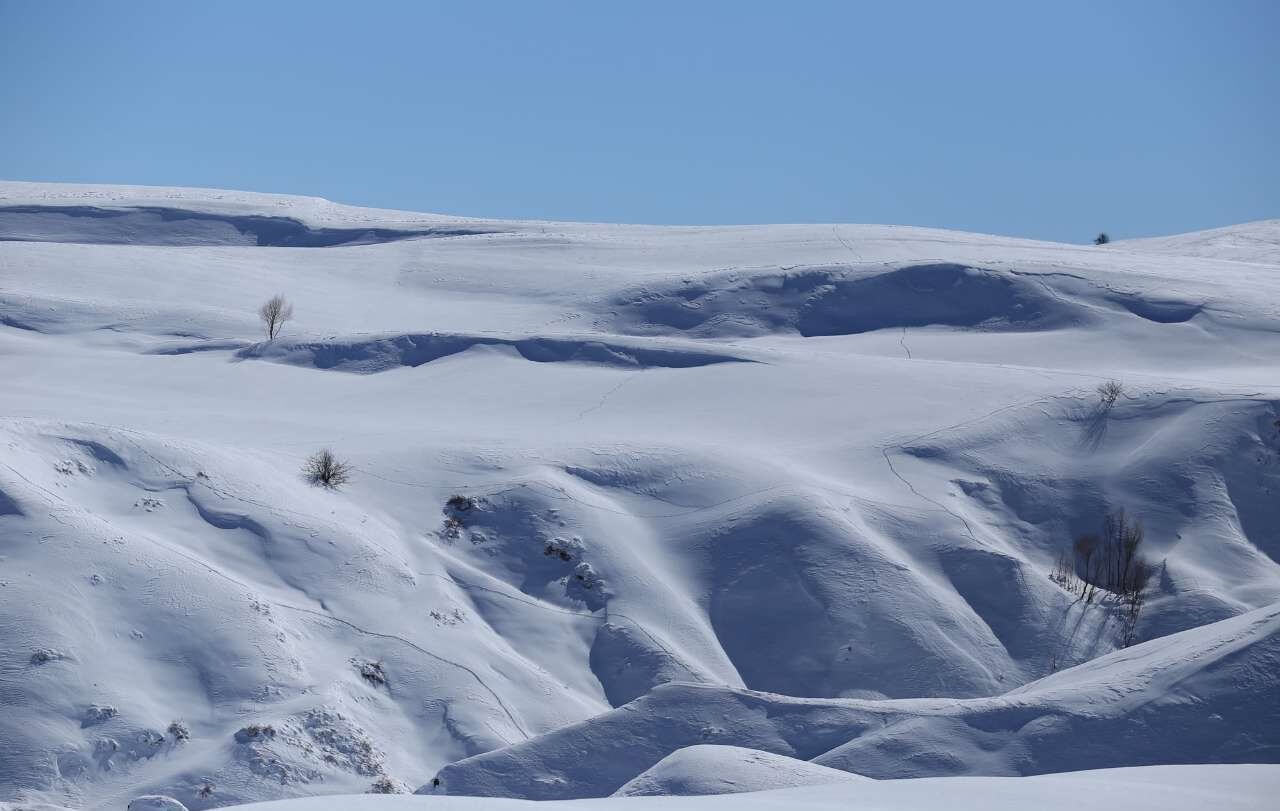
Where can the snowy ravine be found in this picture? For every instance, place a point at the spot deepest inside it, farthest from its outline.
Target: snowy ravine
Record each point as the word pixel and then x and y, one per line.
pixel 634 510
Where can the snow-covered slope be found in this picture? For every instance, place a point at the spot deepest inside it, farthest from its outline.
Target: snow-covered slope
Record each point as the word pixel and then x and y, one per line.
pixel 1170 700
pixel 1151 788
pixel 1249 242
pixel 798 489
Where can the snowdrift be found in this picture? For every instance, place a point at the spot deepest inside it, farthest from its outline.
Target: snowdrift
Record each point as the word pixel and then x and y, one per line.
pixel 157 225
pixel 380 354
pixel 848 300
pixel 1144 705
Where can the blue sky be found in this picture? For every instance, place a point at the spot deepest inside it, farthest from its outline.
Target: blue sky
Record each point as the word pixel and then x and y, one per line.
pixel 1041 119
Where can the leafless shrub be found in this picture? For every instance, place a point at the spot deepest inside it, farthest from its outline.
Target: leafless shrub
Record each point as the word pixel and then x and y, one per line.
pixel 43 656
pixel 452 529
pixel 274 313
pixel 1109 392
pixel 326 470
pixel 255 732
pixel 460 504
pixel 179 731
pixel 558 551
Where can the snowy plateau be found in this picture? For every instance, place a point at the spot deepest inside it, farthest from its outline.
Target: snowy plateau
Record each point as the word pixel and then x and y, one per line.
pixel 696 518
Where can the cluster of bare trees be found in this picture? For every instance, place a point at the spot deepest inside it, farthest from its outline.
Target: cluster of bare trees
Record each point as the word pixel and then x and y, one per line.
pixel 1109 566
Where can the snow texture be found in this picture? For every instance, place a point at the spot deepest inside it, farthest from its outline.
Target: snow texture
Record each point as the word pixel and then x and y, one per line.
pixel 633 509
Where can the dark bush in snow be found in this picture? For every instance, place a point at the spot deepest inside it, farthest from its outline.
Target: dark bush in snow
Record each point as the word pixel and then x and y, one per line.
pixel 179 731
pixel 1101 239
pixel 46 655
pixel 385 785
pixel 326 470
pixel 460 504
pixel 557 550
pixel 456 509
pixel 255 732
pixel 371 672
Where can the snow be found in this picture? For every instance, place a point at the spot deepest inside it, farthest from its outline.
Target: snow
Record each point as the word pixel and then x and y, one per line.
pixel 1154 788
pixel 739 508
pixel 713 769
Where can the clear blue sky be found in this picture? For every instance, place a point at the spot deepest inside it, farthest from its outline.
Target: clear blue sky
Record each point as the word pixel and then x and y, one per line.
pixel 1035 118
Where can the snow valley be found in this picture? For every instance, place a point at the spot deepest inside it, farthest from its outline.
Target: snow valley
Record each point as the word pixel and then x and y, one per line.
pixel 788 512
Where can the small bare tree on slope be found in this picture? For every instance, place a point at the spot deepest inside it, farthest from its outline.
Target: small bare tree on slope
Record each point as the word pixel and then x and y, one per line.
pixel 274 313
pixel 326 470
pixel 1109 392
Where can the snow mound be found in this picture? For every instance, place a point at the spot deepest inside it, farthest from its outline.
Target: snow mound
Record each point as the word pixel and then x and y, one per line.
pixel 712 769
pixel 155 802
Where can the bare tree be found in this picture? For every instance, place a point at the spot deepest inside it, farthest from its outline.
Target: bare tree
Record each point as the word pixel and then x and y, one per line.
pixel 274 313
pixel 326 470
pixel 1086 546
pixel 1109 392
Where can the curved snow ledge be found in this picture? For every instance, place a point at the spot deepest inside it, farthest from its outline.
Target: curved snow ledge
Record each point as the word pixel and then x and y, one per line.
pixel 159 225
pixel 380 354
pixel 1209 694
pixel 844 300
pixel 1161 312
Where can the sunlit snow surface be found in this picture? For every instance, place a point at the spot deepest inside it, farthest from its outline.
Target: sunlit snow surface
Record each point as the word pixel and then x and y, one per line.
pixel 741 509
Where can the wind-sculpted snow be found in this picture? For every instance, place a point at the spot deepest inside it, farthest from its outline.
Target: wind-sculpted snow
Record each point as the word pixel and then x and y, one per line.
pixel 380 354
pixel 848 300
pixel 158 225
pixel 679 509
pixel 1203 471
pixel 1206 695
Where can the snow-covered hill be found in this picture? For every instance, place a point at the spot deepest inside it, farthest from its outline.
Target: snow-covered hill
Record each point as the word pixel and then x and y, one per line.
pixel 626 501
